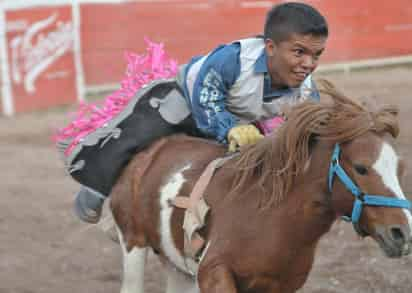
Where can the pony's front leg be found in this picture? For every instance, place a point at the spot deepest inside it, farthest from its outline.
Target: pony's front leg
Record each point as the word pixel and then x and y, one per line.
pixel 216 280
pixel 133 267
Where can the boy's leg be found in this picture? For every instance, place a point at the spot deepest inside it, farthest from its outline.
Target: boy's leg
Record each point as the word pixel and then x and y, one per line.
pixel 104 165
pixel 88 205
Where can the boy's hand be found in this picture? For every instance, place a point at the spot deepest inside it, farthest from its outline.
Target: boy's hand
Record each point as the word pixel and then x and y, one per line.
pixel 243 135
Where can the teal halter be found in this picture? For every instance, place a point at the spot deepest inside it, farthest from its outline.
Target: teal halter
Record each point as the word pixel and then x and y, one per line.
pixel 361 198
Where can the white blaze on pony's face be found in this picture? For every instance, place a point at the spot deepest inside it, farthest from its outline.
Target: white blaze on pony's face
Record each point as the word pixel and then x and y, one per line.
pixel 387 166
pixel 392 225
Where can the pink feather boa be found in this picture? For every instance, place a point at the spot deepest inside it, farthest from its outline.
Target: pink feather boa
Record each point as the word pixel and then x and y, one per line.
pixel 141 69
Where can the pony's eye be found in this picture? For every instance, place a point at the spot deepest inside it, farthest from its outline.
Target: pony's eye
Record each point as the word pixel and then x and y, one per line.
pixel 360 169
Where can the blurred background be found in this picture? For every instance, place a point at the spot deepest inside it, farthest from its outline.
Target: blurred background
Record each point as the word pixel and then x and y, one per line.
pixel 56 53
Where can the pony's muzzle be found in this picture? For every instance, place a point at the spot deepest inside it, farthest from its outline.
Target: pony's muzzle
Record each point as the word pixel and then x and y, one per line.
pixel 395 240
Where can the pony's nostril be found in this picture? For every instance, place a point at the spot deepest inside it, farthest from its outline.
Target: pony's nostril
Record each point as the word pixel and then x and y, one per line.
pixel 397 234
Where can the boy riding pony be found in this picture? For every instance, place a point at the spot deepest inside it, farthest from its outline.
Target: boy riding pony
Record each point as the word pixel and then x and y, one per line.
pixel 229 95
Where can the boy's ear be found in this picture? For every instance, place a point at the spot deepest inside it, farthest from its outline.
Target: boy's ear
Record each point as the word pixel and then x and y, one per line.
pixel 270 47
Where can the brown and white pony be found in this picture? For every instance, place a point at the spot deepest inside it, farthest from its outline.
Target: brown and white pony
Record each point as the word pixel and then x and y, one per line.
pixel 270 205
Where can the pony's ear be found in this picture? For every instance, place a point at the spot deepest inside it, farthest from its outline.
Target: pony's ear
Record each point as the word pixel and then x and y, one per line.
pixel 387 120
pixel 330 94
pixel 323 85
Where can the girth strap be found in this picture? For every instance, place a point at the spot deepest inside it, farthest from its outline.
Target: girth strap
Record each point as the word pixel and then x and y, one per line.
pixel 197 209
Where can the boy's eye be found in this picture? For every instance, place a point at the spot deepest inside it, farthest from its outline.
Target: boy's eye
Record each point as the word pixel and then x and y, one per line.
pixel 298 52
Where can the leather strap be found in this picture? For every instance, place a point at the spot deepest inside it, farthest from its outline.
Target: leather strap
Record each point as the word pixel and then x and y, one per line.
pixel 196 209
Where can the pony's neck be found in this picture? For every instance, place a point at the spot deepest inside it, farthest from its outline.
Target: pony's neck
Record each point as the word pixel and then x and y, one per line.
pixel 315 214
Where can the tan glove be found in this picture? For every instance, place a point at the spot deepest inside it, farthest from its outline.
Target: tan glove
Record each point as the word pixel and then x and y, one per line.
pixel 243 135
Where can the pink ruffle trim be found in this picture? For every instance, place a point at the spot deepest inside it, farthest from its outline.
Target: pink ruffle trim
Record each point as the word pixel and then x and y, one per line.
pixel 141 69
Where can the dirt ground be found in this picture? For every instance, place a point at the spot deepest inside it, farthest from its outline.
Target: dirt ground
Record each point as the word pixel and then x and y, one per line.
pixel 44 248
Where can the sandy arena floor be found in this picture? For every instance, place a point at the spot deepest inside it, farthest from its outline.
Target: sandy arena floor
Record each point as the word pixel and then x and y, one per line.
pixel 45 249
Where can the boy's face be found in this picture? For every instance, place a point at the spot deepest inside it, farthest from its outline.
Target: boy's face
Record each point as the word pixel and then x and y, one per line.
pixel 292 60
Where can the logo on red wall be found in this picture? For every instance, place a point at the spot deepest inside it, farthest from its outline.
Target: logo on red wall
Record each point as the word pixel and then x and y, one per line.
pixel 41 58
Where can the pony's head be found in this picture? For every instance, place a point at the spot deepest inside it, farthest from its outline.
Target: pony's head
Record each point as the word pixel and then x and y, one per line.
pixel 365 189
pixel 362 171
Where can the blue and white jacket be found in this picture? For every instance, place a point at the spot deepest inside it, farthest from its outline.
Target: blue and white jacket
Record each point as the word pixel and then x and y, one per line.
pixel 232 86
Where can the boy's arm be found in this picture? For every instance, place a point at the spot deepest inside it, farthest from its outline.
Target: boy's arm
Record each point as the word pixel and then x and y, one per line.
pixel 214 80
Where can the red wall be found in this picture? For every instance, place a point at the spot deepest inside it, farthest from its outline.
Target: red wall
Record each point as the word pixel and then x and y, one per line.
pixel 358 29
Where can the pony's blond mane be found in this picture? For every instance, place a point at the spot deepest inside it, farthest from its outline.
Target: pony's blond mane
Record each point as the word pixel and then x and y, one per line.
pixel 283 155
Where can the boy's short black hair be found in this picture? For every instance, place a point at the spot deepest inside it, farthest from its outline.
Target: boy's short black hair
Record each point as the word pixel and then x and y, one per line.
pixel 285 19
